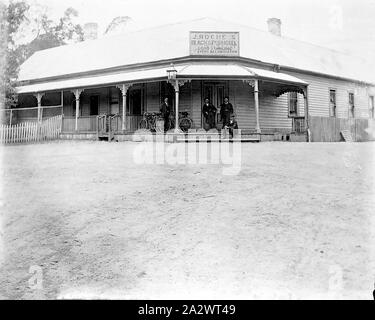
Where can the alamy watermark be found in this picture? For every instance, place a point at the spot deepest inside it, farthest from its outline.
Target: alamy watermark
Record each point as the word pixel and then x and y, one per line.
pixel 36 279
pixel 203 149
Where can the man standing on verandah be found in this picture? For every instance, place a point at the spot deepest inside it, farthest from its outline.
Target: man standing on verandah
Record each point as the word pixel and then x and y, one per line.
pixel 165 110
pixel 209 113
pixel 226 111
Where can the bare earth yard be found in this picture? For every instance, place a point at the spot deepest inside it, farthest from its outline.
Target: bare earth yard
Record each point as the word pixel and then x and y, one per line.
pixel 296 222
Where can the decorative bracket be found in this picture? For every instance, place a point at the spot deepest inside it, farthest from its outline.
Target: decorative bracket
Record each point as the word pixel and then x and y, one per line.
pixel 38 97
pixel 124 87
pixel 250 82
pixel 77 93
pixel 180 83
pixel 304 92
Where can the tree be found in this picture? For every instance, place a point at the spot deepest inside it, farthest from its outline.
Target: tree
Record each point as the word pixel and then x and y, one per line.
pixel 12 16
pixel 117 25
pixel 12 55
pixel 51 34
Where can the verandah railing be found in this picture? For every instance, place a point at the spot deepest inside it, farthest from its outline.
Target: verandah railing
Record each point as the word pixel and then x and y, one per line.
pixel 89 123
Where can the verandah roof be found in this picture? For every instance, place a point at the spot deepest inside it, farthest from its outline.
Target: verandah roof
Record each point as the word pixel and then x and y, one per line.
pixel 233 70
pixel 192 71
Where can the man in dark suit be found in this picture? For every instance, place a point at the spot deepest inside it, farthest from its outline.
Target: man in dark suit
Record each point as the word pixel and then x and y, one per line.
pixel 226 111
pixel 209 113
pixel 165 110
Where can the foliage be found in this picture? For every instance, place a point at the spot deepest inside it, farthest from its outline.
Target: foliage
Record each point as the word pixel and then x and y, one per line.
pixel 12 55
pixel 12 16
pixel 52 34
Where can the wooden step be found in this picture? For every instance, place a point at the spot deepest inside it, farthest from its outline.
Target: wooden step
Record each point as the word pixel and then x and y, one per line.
pixel 346 135
pixel 219 140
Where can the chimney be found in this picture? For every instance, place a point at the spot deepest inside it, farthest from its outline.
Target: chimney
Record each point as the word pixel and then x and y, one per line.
pixel 90 31
pixel 274 26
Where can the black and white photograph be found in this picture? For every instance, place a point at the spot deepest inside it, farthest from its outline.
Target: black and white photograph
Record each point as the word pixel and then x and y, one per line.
pixel 187 150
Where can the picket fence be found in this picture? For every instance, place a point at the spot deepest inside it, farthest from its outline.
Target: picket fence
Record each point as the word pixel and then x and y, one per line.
pixel 48 129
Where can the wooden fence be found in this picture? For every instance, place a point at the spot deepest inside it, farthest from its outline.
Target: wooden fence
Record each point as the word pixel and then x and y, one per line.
pixel 49 129
pixel 325 129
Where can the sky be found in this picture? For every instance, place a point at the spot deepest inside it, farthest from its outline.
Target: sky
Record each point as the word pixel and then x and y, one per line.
pixel 344 25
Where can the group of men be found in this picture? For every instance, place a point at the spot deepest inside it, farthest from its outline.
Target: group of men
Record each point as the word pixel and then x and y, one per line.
pixel 209 112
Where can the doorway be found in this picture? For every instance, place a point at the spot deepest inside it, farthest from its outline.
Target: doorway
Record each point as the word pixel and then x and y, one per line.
pixel 135 102
pixel 94 105
pixel 215 91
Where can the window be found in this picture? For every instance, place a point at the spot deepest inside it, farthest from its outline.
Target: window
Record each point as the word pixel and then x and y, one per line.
pixel 371 107
pixel 135 101
pixel 293 103
pixel 351 105
pixel 94 105
pixel 332 103
pixel 114 106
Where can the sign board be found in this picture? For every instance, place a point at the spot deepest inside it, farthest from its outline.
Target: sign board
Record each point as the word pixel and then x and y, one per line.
pixel 204 43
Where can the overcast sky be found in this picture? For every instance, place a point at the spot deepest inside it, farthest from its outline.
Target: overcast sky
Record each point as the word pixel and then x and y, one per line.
pixel 345 25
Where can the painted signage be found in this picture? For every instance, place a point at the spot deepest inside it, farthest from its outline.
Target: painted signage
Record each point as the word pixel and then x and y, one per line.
pixel 204 43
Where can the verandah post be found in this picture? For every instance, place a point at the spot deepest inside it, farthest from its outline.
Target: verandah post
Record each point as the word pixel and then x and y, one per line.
pixel 177 85
pixel 305 97
pixel 256 99
pixel 177 96
pixel 124 91
pixel 255 85
pixel 38 97
pixel 77 93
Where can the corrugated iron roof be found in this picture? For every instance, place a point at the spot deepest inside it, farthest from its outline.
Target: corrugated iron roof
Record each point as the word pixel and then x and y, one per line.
pixel 172 41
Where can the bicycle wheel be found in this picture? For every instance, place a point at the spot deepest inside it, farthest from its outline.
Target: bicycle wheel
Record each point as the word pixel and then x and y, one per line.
pixel 171 123
pixel 152 124
pixel 143 124
pixel 185 124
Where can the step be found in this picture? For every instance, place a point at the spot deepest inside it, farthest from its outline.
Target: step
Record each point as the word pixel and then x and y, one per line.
pixel 219 140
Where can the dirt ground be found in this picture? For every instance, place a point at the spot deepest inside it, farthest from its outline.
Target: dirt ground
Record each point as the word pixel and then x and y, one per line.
pixel 296 222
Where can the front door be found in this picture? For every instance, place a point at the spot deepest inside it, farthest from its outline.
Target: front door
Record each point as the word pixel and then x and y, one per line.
pixel 215 91
pixel 94 105
pixel 135 102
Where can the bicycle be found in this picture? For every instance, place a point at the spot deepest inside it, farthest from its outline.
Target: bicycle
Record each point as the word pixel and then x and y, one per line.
pixel 149 121
pixel 185 123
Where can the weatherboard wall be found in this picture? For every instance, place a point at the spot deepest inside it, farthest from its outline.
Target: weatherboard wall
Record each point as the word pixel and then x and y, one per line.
pixel 318 95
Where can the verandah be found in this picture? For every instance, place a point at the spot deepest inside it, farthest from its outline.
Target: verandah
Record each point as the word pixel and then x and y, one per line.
pixel 186 94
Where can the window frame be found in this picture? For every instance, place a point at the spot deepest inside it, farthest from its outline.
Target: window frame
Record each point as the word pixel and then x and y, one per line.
pixel 351 108
pixel 92 96
pixel 371 106
pixel 290 114
pixel 329 102
pixel 130 101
